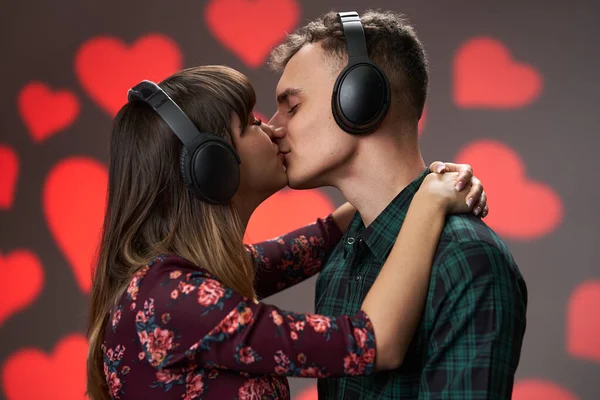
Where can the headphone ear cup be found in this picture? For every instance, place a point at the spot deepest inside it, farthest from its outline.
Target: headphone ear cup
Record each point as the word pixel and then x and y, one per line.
pixel 335 102
pixel 215 172
pixel 184 168
pixel 361 98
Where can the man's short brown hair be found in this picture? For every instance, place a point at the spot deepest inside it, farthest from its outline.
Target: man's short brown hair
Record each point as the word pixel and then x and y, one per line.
pixel 391 43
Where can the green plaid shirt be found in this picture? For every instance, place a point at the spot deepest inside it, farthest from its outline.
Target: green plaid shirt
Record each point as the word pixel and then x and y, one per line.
pixel 468 343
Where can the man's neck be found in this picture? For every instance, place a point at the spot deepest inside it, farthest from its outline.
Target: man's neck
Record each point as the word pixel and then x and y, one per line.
pixel 378 173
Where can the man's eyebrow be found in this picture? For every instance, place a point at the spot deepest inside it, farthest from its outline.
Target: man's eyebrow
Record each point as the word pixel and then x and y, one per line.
pixel 283 96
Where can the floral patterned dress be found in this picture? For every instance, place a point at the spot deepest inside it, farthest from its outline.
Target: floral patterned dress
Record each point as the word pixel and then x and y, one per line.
pixel 179 333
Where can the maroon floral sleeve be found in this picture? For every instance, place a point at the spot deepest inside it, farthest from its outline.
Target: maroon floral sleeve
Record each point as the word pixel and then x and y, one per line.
pixel 187 317
pixel 289 259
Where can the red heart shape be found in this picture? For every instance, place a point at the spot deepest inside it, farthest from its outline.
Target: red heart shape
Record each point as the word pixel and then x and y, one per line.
pixel 33 374
pixel 583 322
pixel 485 76
pixel 309 394
pixel 534 389
pixel 520 208
pixel 261 116
pixel 422 121
pixel 45 112
pixel 22 282
pixel 74 203
pixel 9 172
pixel 107 68
pixel 273 217
pixel 251 28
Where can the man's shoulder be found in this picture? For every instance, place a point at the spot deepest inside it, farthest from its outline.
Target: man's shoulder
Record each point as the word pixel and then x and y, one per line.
pixel 467 232
pixel 472 258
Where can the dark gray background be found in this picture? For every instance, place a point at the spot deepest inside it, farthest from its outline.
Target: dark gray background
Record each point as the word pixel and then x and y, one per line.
pixel 555 135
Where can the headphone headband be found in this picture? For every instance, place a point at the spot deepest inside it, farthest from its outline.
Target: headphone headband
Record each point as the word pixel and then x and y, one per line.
pixel 170 112
pixel 354 34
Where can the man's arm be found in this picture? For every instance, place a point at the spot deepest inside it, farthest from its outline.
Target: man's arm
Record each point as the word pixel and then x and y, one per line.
pixel 479 304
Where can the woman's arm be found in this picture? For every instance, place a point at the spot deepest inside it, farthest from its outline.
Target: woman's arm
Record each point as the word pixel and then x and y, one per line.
pixel 294 257
pixel 187 318
pixel 343 215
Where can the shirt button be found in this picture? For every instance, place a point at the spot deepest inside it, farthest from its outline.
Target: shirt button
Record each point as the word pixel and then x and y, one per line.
pixel 357 278
pixel 350 240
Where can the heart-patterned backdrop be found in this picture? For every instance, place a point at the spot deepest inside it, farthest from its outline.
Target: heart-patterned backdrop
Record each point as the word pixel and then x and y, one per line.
pixel 513 88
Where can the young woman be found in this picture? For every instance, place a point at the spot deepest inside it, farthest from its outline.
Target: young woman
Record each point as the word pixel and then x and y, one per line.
pixel 175 311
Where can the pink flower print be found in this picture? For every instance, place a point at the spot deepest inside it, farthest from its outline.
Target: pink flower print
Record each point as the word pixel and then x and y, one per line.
pixel 210 292
pixel 246 355
pixel 194 386
pixel 277 319
pixel 318 322
pixel 116 318
pixel 256 389
pixel 160 341
pixel 353 364
pixel 361 337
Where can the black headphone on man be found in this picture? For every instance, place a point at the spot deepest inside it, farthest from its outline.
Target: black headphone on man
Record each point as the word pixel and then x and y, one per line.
pixel 361 94
pixel 209 165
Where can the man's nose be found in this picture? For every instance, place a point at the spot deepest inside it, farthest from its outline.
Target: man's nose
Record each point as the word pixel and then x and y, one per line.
pixel 276 121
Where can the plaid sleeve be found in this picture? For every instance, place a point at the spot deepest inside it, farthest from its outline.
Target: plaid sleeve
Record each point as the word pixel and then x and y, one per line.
pixel 478 311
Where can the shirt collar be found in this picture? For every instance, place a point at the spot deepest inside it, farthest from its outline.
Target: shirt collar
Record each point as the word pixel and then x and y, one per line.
pixel 381 234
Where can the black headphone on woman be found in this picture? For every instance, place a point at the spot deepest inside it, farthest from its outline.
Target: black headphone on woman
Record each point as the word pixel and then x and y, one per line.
pixel 361 95
pixel 209 164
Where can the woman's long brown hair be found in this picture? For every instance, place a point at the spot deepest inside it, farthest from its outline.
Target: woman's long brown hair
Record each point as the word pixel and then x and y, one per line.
pixel 150 211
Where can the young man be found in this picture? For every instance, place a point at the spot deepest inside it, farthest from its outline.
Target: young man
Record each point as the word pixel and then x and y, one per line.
pixel 469 340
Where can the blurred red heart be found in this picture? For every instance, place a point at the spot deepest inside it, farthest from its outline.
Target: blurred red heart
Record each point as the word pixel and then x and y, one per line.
pixel 423 121
pixel 251 28
pixel 486 76
pixel 74 199
pixel 520 208
pixel 33 374
pixel 107 68
pixel 261 116
pixel 46 112
pixel 286 211
pixel 23 279
pixel 583 322
pixel 536 389
pixel 9 173
pixel 309 394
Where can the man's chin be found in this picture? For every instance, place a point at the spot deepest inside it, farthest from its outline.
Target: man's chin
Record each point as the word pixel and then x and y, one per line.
pixel 301 184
